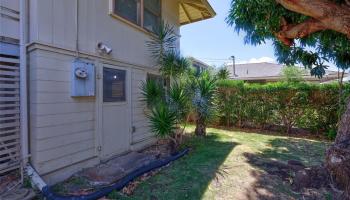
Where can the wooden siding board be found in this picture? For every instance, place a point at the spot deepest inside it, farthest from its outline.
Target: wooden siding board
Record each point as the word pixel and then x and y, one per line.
pixel 61 108
pixel 65 129
pixel 65 140
pixel 62 119
pixel 64 151
pixel 63 162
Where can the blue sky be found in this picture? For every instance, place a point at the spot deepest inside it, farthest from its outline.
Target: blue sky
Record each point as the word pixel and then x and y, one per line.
pixel 213 41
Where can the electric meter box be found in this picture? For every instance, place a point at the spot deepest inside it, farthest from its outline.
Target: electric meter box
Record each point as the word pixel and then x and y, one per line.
pixel 83 79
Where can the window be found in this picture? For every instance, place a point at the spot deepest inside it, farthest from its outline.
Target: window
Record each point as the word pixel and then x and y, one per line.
pixel 158 79
pixel 151 15
pixel 198 70
pixel 114 85
pixel 127 9
pixel 144 13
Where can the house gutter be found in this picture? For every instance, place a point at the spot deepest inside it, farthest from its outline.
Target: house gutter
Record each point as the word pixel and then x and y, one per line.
pixel 24 137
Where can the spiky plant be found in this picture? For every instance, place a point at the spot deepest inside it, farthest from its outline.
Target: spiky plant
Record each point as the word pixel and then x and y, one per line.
pixel 204 100
pixel 163 43
pixel 178 99
pixel 162 121
pixel 173 64
pixel 152 92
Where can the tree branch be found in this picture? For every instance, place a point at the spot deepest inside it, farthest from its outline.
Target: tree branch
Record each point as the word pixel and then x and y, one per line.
pixel 289 32
pixel 325 15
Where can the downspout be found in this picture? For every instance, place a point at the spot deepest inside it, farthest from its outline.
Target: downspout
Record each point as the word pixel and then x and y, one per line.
pixel 24 137
pixel 77 29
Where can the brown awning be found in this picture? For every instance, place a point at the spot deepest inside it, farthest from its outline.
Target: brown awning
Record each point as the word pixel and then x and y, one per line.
pixel 194 11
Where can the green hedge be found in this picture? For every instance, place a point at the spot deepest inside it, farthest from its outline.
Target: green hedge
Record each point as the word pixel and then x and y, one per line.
pixel 307 106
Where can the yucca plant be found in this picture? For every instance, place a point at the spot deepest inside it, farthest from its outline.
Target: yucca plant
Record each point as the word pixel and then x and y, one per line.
pixel 173 64
pixel 165 42
pixel 152 92
pixel 178 99
pixel 162 121
pixel 203 100
pixel 166 113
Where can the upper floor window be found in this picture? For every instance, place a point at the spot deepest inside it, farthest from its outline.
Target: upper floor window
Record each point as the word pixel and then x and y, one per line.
pixel 144 13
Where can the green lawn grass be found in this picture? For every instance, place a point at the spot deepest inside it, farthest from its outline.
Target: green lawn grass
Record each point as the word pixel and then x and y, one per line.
pixel 223 165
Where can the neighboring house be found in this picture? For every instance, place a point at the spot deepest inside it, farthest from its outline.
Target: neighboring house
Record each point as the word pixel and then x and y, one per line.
pixel 198 65
pixel 347 79
pixel 85 62
pixel 272 72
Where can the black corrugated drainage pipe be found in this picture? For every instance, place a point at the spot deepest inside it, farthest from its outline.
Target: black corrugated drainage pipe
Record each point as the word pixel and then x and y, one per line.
pixel 47 192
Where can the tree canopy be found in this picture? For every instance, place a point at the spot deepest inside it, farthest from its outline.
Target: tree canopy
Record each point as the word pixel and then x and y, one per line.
pixel 305 32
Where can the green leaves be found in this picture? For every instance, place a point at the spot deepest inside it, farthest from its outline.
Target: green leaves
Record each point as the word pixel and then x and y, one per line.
pixel 162 120
pixel 204 97
pixel 168 108
pixel 262 19
pixel 152 92
pixel 178 100
pixel 223 73
pixel 165 42
pixel 164 50
pixel 291 104
pixel 293 74
pixel 173 64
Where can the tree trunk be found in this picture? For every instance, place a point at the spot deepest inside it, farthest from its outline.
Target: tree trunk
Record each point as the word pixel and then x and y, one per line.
pixel 325 15
pixel 338 155
pixel 200 127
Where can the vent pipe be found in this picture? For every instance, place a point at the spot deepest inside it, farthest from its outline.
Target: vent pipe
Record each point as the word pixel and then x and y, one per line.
pixel 234 66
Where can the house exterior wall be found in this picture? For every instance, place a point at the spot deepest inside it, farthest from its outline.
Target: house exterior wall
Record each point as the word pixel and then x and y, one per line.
pixel 9 25
pixel 64 131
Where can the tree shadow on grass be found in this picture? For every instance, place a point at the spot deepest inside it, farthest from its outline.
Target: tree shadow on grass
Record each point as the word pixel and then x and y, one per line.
pixel 273 175
pixel 188 177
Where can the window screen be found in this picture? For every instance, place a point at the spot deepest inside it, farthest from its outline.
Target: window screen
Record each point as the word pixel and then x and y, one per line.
pixel 127 9
pixel 114 85
pixel 152 14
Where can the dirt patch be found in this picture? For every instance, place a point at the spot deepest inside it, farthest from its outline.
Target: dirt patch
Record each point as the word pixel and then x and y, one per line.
pixel 92 179
pixel 9 181
pixel 11 187
pixel 311 183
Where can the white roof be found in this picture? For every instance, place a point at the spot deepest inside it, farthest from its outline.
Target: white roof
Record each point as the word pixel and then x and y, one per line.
pixel 266 70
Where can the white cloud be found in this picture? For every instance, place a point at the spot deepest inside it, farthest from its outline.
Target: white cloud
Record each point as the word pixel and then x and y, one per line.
pixel 257 60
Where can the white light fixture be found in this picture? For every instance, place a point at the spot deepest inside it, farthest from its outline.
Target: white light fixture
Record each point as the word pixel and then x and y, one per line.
pixel 103 48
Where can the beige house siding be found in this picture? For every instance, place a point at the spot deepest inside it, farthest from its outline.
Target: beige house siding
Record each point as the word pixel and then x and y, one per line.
pixel 64 131
pixel 54 24
pixel 62 128
pixel 141 130
pixel 9 25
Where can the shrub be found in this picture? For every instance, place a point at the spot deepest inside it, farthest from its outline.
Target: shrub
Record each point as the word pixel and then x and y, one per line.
pixel 308 106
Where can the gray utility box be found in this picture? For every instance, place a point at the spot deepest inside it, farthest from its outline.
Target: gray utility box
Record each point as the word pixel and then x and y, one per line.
pixel 83 79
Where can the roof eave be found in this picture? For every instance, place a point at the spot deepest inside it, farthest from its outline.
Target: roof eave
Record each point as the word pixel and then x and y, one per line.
pixel 205 3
